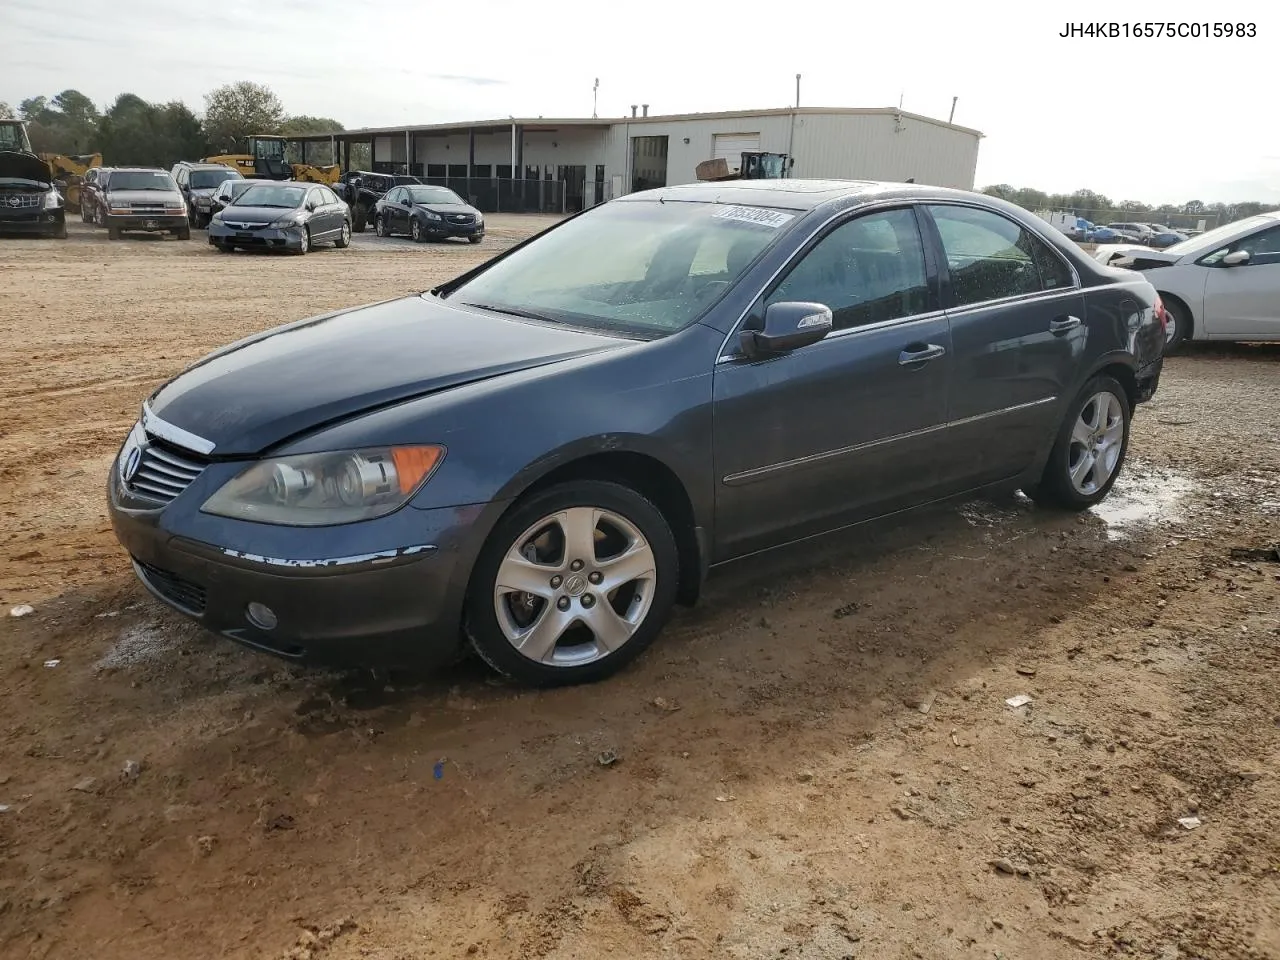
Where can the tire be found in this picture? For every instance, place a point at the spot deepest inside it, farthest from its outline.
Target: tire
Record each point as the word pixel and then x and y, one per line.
pixel 475 239
pixel 1075 441
pixel 61 232
pixel 1181 322
pixel 344 236
pixel 380 227
pixel 493 614
pixel 113 232
pixel 415 230
pixel 305 248
pixel 183 233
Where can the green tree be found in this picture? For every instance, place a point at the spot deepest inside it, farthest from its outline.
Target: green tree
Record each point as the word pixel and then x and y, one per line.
pixel 296 126
pixel 134 132
pixel 239 110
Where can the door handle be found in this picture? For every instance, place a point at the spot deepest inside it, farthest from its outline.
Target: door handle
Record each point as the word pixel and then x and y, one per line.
pixel 928 351
pixel 1063 324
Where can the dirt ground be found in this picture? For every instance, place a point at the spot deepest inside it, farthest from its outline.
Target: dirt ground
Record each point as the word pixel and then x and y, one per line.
pixel 819 761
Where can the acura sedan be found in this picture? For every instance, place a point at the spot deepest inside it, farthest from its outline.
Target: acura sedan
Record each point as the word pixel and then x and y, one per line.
pixel 1221 285
pixel 544 455
pixel 282 216
pixel 427 213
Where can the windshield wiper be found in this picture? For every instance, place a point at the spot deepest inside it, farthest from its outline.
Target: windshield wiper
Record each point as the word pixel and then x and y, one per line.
pixel 525 314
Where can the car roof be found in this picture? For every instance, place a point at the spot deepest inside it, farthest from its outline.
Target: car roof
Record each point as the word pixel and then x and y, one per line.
pixel 205 166
pixel 138 170
pixel 804 194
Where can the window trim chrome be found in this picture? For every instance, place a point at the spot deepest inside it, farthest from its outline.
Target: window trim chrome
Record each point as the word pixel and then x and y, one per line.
pixel 744 477
pixel 175 435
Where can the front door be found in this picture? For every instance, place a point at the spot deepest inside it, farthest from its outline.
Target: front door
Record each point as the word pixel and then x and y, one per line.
pixel 1244 300
pixel 1018 335
pixel 841 430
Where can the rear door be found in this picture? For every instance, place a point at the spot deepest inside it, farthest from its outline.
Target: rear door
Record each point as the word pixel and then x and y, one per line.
pixel 843 429
pixel 1018 336
pixel 1244 300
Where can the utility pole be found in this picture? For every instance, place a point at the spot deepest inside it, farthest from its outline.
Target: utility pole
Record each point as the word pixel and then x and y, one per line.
pixel 797 91
pixel 595 99
pixel 953 109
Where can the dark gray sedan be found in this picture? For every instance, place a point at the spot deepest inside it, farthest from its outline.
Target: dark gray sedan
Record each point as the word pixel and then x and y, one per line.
pixel 427 213
pixel 545 454
pixel 282 216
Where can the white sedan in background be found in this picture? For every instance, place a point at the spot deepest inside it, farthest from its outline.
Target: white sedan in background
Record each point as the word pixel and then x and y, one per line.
pixel 1221 285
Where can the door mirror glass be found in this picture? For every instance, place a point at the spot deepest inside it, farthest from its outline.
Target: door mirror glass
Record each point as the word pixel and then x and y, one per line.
pixel 407 202
pixel 1236 258
pixel 311 205
pixel 788 325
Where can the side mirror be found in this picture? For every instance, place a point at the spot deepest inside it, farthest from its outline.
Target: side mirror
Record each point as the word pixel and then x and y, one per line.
pixel 788 326
pixel 310 205
pixel 1236 258
pixel 407 202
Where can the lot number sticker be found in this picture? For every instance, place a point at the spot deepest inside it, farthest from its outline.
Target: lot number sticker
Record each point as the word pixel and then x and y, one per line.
pixel 766 218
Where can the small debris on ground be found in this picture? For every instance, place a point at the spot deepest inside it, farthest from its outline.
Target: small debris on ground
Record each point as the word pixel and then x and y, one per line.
pixel 725 798
pixel 1004 866
pixel 1026 671
pixel 607 758
pixel 22 610
pixel 52 663
pixel 132 770
pixel 1021 700
pixel 1189 823
pixel 668 706
pixel 87 785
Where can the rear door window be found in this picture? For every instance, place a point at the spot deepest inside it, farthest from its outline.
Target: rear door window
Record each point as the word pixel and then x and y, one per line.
pixel 989 256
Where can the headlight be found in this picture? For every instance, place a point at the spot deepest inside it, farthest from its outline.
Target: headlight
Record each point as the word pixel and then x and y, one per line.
pixel 431 216
pixel 217 217
pixel 52 200
pixel 317 489
pixel 479 219
pixel 174 208
pixel 290 220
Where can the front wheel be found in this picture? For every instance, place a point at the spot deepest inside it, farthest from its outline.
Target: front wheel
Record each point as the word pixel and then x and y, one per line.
pixel 380 227
pixel 183 233
pixel 572 584
pixel 1089 450
pixel 1177 326
pixel 415 230
pixel 344 236
pixel 304 245
pixel 475 239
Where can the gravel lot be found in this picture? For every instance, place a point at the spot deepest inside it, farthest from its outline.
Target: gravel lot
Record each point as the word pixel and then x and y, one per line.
pixel 816 762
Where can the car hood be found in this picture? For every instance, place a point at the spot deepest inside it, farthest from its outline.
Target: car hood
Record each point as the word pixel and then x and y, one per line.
pixel 1107 252
pixel 239 214
pixel 261 391
pixel 444 209
pixel 24 166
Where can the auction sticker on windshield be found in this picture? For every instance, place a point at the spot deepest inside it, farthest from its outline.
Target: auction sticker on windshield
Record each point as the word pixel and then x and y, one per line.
pixel 766 218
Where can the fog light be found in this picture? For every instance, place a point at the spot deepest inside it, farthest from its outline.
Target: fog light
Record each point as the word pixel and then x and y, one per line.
pixel 261 616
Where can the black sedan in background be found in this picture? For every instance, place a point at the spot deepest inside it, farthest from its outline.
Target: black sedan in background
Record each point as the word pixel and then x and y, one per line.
pixel 282 216
pixel 228 191
pixel 427 213
pixel 546 453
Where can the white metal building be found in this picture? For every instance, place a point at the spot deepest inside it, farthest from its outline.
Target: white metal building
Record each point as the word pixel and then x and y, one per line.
pixel 571 163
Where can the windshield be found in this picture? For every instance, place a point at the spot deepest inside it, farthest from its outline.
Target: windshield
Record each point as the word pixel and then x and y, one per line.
pixel 636 266
pixel 238 187
pixel 1218 235
pixel 142 180
pixel 265 195
pixel 433 195
pixel 269 148
pixel 11 137
pixel 204 179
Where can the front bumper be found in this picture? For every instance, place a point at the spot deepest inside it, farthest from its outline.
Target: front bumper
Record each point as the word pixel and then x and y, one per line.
pixel 149 223
pixel 38 221
pixel 385 592
pixel 263 238
pixel 441 229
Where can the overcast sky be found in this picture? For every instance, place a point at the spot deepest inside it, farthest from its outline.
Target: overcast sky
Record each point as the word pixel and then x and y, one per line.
pixel 1144 119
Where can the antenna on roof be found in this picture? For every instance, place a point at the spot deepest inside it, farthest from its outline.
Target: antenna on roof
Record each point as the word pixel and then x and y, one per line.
pixel 953 109
pixel 595 99
pixel 900 96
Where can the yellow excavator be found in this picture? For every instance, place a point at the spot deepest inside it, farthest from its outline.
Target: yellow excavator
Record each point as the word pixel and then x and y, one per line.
pixel 264 159
pixel 71 171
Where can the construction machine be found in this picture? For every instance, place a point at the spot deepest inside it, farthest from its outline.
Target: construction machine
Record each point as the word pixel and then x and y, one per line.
pixel 753 166
pixel 264 159
pixel 13 136
pixel 71 171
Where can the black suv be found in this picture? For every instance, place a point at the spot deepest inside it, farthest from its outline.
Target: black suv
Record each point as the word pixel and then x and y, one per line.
pixel 30 201
pixel 362 190
pixel 197 181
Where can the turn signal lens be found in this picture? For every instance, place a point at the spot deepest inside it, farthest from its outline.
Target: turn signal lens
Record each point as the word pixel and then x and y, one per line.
pixel 413 464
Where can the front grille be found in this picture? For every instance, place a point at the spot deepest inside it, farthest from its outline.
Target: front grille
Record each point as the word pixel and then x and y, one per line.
pixel 461 218
pixel 18 201
pixel 163 473
pixel 147 208
pixel 177 590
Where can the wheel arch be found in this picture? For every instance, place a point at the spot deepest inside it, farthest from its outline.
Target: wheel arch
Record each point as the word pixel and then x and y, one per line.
pixel 1192 322
pixel 647 474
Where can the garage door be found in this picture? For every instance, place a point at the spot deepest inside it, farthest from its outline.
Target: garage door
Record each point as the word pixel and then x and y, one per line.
pixel 731 147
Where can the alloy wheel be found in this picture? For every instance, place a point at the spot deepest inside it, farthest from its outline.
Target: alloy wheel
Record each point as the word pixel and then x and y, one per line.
pixel 416 230
pixel 575 587
pixel 1097 440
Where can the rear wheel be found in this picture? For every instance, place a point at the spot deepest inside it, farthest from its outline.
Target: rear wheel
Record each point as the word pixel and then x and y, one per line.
pixel 1177 326
pixel 573 584
pixel 183 233
pixel 344 236
pixel 113 232
pixel 1090 448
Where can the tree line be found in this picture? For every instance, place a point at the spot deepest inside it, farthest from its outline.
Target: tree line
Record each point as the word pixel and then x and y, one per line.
pixel 135 132
pixel 1101 209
